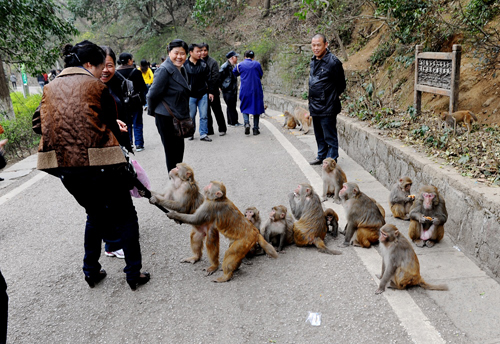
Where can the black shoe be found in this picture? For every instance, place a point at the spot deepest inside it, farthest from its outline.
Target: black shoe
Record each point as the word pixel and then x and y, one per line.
pixel 92 281
pixel 316 162
pixel 256 132
pixel 206 138
pixel 139 280
pixel 191 138
pixel 247 129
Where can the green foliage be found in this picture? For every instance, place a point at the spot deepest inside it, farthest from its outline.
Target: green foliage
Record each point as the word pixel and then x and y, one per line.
pixel 481 11
pixel 31 32
pixel 381 53
pixel 22 139
pixel 263 48
pixel 207 12
pixel 412 112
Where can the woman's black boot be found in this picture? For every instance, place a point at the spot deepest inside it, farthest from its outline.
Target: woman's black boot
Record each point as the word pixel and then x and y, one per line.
pixel 92 281
pixel 143 278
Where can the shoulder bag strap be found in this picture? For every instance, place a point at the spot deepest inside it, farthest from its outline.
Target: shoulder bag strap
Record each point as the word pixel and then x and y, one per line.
pixel 168 109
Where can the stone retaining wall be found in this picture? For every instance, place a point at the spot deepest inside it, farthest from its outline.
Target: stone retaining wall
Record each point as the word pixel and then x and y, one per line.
pixel 473 209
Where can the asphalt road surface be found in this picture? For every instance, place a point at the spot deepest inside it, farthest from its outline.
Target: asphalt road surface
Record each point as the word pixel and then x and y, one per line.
pixel 41 252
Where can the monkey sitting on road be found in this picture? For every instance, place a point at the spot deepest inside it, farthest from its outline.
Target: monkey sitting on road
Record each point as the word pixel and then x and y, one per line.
pixel 289 120
pixel 332 222
pixel 333 179
pixel 364 216
pixel 301 118
pixel 278 228
pixel 253 215
pixel 400 266
pixel 310 228
pixel 400 199
pixel 219 213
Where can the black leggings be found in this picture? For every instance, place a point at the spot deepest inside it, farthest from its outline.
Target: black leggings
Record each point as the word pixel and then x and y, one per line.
pixel 173 145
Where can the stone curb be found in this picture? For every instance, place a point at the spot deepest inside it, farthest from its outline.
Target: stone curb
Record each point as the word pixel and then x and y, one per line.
pixel 473 209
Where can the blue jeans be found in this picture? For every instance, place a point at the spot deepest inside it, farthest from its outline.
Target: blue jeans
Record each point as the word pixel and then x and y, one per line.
pixel 246 120
pixel 325 131
pixel 110 212
pixel 136 127
pixel 202 105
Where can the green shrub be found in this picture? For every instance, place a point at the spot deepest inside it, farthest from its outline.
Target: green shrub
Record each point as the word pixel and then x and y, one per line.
pixel 22 139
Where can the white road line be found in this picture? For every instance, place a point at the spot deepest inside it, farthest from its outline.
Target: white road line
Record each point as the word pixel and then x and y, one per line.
pixel 411 316
pixel 22 187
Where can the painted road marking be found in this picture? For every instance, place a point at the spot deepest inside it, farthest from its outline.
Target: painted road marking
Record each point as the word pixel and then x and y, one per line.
pixel 22 187
pixel 411 316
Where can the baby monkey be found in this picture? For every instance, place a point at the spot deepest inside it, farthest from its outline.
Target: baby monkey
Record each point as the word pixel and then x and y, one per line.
pixel 400 266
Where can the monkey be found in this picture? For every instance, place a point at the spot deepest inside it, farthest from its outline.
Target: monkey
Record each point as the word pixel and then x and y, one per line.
pixel 302 118
pixel 219 213
pixel 364 217
pixel 310 227
pixel 400 200
pixel 333 179
pixel 332 222
pixel 465 116
pixel 289 121
pixel 278 228
pixel 253 215
pixel 400 264
pixel 427 217
pixel 183 195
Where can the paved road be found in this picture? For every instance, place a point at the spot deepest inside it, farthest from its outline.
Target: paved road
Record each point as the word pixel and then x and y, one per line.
pixel 41 251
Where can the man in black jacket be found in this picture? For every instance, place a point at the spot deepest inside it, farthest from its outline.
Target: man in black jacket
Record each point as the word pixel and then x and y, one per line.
pixel 326 84
pixel 229 87
pixel 199 75
pixel 213 88
pixel 128 71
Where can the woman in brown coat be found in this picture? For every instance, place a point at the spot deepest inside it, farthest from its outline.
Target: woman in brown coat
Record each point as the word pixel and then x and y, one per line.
pixel 78 122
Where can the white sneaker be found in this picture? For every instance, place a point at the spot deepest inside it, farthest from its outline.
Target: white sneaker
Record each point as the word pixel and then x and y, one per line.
pixel 118 254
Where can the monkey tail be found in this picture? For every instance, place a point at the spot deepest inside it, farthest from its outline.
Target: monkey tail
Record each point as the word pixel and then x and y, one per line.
pixel 267 247
pixel 425 285
pixel 473 116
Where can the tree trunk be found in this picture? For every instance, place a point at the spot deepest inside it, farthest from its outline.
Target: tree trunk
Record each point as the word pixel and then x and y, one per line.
pixel 6 110
pixel 267 6
pixel 342 49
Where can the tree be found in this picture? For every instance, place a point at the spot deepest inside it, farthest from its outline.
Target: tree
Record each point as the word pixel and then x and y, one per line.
pixel 31 33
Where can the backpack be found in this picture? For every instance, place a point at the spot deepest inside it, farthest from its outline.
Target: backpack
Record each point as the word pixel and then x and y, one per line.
pixel 131 99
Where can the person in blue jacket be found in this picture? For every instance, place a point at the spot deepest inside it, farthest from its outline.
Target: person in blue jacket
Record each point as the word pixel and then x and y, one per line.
pixel 251 94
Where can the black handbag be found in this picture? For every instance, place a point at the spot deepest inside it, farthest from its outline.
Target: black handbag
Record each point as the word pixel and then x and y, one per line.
pixel 183 127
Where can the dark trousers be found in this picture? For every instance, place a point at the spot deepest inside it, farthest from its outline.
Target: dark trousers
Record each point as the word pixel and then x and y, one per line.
pixel 105 195
pixel 173 145
pixel 4 310
pixel 325 131
pixel 231 100
pixel 215 107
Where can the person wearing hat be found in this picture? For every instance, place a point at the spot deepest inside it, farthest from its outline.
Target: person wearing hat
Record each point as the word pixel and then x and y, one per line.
pixel 251 94
pixel 229 87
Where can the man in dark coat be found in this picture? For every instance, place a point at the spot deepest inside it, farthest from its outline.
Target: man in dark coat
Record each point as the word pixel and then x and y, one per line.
pixel 229 87
pixel 213 88
pixel 135 127
pixel 326 84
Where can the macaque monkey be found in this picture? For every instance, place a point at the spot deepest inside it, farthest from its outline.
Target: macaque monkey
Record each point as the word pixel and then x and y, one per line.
pixel 289 121
pixel 278 228
pixel 364 217
pixel 400 266
pixel 333 179
pixel 253 215
pixel 427 217
pixel 332 222
pixel 182 195
pixel 465 116
pixel 400 199
pixel 301 118
pixel 310 227
pixel 220 214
